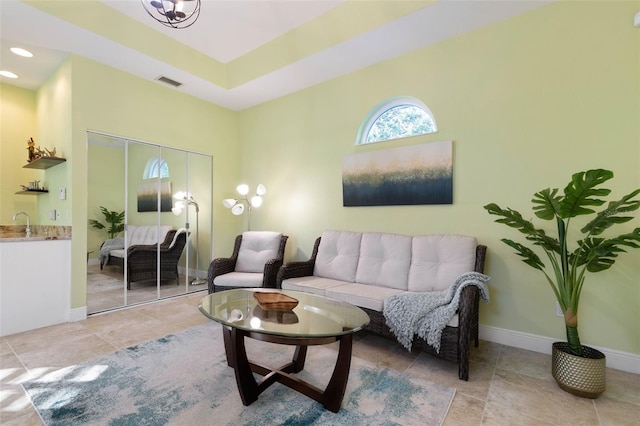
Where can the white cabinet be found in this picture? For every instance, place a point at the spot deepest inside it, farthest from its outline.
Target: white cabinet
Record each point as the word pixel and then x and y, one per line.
pixel 35 284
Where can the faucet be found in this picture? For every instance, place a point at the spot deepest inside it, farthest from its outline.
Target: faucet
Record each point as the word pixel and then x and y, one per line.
pixel 28 224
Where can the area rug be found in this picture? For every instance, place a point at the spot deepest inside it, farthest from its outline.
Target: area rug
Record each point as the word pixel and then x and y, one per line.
pixel 183 379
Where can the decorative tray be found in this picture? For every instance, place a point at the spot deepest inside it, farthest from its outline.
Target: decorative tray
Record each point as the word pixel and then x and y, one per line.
pixel 275 301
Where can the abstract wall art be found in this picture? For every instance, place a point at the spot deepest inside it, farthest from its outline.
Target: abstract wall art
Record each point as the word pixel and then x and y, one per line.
pixel 419 174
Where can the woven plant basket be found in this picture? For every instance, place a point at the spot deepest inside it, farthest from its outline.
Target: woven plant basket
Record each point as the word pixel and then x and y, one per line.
pixel 583 376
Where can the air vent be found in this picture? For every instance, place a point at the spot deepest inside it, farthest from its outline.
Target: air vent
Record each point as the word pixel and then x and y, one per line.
pixel 169 81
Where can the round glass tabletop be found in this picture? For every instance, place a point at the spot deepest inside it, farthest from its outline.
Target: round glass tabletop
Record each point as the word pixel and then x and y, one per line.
pixel 284 313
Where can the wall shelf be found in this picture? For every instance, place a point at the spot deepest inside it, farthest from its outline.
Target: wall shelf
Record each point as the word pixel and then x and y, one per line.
pixel 32 192
pixel 44 163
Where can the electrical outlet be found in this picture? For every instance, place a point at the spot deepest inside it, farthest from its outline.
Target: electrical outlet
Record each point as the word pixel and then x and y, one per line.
pixel 559 312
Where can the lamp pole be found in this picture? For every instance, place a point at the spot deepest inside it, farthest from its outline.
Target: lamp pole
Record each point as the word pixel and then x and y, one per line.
pixel 177 209
pixel 196 280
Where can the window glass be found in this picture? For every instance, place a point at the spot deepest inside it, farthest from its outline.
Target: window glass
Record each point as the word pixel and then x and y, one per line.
pixel 396 118
pixel 156 168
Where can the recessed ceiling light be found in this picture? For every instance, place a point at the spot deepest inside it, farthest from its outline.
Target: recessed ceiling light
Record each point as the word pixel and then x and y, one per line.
pixel 21 52
pixel 8 74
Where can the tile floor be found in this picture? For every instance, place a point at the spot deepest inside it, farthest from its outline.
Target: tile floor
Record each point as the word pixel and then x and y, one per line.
pixel 105 289
pixel 507 386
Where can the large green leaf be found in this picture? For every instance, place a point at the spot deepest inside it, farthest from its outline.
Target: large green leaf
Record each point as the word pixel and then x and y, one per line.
pixel 528 256
pixel 546 204
pixel 515 220
pixel 581 193
pixel 603 252
pixel 611 215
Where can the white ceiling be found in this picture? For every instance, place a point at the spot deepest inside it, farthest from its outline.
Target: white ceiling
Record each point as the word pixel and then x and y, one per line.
pixel 228 29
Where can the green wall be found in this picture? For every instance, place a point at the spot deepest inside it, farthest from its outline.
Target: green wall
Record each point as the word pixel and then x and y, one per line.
pixel 144 111
pixel 17 125
pixel 527 102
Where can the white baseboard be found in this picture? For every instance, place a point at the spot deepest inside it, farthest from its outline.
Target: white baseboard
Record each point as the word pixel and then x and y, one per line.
pixel 78 314
pixel 618 360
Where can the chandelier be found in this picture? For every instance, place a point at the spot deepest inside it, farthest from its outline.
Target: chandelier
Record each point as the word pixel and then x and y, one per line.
pixel 173 13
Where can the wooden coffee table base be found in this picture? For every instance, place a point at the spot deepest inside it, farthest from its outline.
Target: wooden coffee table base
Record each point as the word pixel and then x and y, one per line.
pixel 249 388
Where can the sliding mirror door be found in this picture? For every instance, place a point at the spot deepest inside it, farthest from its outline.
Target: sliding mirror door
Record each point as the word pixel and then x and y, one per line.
pixel 105 210
pixel 165 194
pixel 192 209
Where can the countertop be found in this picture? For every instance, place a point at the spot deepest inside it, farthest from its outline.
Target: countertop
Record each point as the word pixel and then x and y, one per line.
pixel 18 233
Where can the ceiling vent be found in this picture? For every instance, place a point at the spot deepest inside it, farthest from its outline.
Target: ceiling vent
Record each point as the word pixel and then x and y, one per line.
pixel 169 81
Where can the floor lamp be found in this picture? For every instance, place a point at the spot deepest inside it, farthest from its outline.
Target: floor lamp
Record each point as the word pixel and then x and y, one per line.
pixel 185 199
pixel 237 205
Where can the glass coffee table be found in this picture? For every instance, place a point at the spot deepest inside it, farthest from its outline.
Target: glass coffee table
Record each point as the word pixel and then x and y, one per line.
pixel 289 318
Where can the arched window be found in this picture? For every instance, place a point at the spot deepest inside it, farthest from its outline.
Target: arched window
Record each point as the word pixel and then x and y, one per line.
pixel 156 168
pixel 396 118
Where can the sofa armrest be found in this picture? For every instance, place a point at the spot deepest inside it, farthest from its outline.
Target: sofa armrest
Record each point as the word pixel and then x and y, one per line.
pixel 298 269
pixel 468 314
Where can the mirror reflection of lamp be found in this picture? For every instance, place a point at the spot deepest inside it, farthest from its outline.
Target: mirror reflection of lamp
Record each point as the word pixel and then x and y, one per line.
pixel 185 199
pixel 237 206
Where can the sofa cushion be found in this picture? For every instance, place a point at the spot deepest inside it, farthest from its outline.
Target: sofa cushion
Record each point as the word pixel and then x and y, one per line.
pixel 256 249
pixel 310 284
pixel 142 235
pixel 437 260
pixel 363 295
pixel 239 279
pixel 384 260
pixel 338 255
pixel 146 234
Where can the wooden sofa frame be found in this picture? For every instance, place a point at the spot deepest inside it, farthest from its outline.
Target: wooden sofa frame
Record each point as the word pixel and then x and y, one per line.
pixel 141 260
pixel 454 343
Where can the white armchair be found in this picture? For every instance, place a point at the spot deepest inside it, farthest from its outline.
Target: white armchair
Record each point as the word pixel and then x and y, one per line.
pixel 256 259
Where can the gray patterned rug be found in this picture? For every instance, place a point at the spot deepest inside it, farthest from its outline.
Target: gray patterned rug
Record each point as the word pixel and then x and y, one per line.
pixel 183 379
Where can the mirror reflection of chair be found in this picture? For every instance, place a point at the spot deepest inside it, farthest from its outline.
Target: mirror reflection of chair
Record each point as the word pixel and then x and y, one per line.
pixel 142 256
pixel 256 259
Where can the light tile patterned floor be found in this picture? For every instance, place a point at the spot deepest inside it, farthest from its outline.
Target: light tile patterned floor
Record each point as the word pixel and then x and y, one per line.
pixel 507 386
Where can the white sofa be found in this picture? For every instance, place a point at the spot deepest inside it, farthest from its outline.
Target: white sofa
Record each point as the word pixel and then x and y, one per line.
pixel 366 268
pixel 142 235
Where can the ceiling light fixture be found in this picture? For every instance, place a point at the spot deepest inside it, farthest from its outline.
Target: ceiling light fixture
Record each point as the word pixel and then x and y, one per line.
pixel 22 52
pixel 173 13
pixel 8 74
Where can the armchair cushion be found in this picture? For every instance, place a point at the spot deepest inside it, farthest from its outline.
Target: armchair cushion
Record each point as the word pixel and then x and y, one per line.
pixel 257 248
pixel 239 279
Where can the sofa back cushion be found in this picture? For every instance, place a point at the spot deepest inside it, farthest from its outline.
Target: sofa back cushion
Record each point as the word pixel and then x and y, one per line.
pixel 437 260
pixel 256 249
pixel 338 255
pixel 384 260
pixel 146 234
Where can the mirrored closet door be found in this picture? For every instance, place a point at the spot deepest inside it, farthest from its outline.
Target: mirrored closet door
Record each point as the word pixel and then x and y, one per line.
pixel 150 223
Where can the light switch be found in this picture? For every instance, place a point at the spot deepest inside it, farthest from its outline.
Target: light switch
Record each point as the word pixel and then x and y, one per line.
pixel 63 193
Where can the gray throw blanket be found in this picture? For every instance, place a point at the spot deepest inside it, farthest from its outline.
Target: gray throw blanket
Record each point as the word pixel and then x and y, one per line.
pixel 107 246
pixel 427 314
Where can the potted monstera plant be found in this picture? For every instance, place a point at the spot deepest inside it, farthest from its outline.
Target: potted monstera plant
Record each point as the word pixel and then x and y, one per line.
pixel 114 220
pixel 569 255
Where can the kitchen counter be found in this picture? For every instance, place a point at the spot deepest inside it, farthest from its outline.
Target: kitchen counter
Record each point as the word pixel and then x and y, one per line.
pixel 35 283
pixel 18 233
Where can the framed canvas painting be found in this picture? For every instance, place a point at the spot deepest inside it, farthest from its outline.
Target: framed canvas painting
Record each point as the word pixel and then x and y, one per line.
pixel 420 174
pixel 148 197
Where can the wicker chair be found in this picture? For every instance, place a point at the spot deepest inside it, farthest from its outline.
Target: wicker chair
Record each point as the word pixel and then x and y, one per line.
pixel 454 343
pixel 141 259
pixel 235 278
